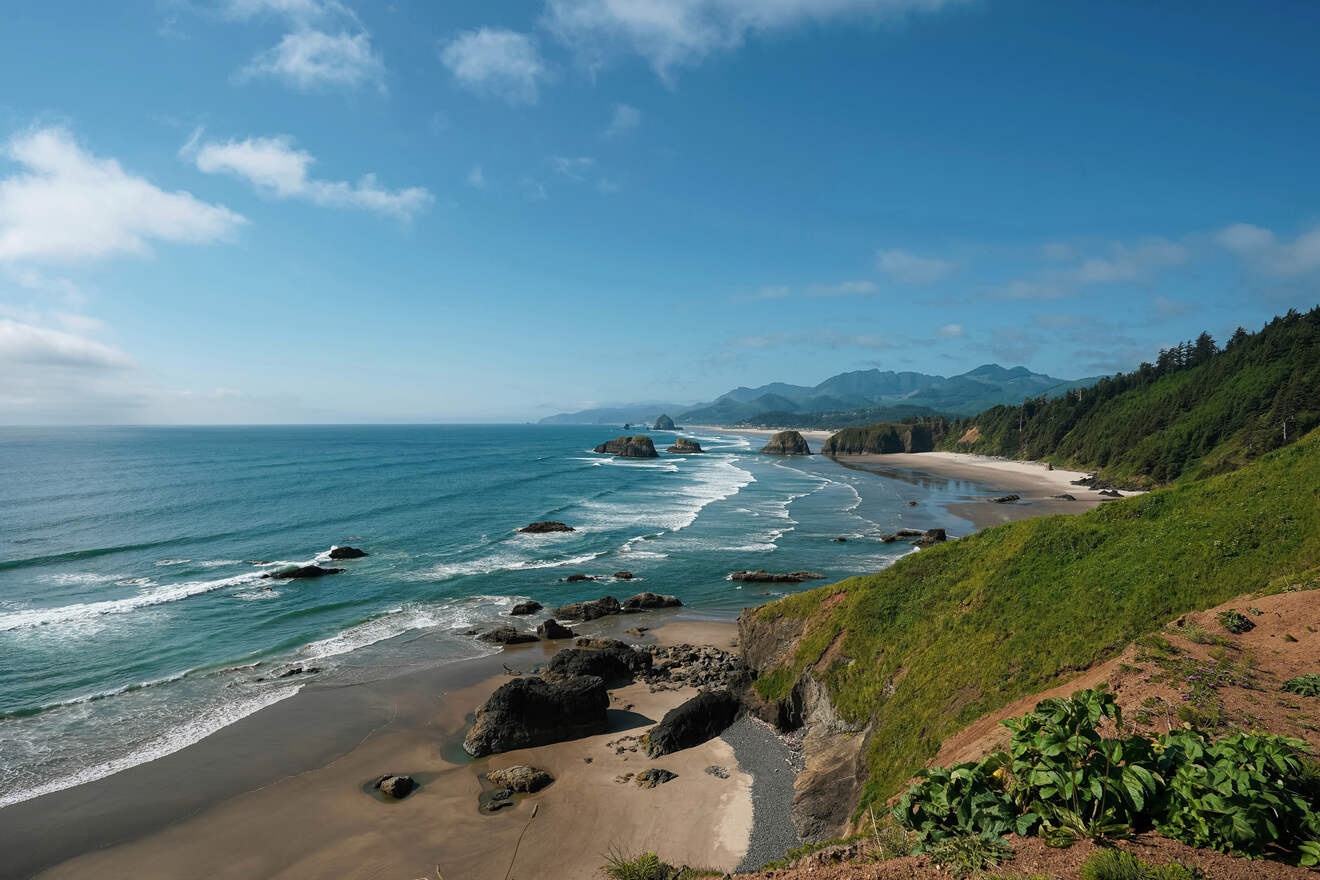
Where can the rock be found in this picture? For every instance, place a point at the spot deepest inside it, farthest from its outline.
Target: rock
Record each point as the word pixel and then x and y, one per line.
pixel 623 575
pixel 889 538
pixel 1064 497
pixel 539 528
pixel 647 601
pixel 531 606
pixel 1111 493
pixel 880 438
pixel 530 711
pixel 909 533
pixel 578 578
pixel 506 635
pixel 609 659
pixel 653 777
pixel 299 670
pixel 1006 499
pixel 912 504
pixel 347 553
pixel 664 423
pixel 602 607
pixel 761 576
pixel 786 443
pixel 931 536
pixel 717 771
pixel 553 629
pixel 684 445
pixel 494 800
pixel 637 630
pixel 397 787
pixel 638 446
pixel 678 666
pixel 305 571
pixel 520 778
pixel 701 718
pixel 839 540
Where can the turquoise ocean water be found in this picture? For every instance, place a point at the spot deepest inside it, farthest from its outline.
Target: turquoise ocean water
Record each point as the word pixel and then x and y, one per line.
pixel 133 619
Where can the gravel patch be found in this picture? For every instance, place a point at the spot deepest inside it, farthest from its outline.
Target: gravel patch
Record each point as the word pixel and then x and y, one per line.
pixel 774 762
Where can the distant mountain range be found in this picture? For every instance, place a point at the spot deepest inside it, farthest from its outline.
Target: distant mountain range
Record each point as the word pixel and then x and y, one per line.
pixel 877 391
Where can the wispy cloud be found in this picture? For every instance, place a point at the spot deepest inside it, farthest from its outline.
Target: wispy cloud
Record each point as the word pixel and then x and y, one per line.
pixel 1123 263
pixel 910 268
pixel 275 167
pixel 327 46
pixel 573 167
pixel 497 61
pixel 1266 253
pixel 626 119
pixel 69 205
pixel 844 288
pixel 817 338
pixel 952 331
pixel 29 344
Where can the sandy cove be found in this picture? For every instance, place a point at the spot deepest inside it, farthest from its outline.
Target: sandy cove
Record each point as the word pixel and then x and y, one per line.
pixel 323 822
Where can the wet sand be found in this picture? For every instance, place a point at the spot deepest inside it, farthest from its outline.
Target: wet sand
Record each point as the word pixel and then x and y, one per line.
pixel 281 793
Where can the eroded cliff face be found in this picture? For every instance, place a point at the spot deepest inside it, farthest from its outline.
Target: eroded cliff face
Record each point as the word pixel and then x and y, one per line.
pixel 880 439
pixel 828 790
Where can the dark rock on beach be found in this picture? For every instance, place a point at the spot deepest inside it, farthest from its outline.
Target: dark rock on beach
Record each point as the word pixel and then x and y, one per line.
pixel 654 776
pixel 1111 493
pixel 664 423
pixel 494 800
pixel 553 629
pixel 602 607
pixel 302 572
pixel 1006 499
pixel 506 635
pixel 531 711
pixel 347 553
pixel 638 446
pixel 531 606
pixel 761 576
pixel 539 528
pixel 931 536
pixel 520 778
pixel 647 601
pixel 684 445
pixel 610 659
pixel 678 666
pixel 787 443
pixel 397 787
pixel 701 718
pixel 1064 497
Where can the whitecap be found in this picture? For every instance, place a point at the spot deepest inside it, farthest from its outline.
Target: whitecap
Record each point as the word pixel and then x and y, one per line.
pixel 172 561
pixel 82 611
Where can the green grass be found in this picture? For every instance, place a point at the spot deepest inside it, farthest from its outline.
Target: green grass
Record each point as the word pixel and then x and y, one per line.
pixel 964 628
pixel 648 866
pixel 1113 864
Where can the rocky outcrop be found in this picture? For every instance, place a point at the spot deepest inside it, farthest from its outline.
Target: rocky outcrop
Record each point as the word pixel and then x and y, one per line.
pixel 1064 497
pixel 531 606
pixel 623 575
pixel 786 443
pixel 530 711
pixel 664 423
pixel 647 601
pixel 396 787
pixel 880 439
pixel 654 776
pixel 609 659
pixel 602 607
pixel 578 578
pixel 678 666
pixel 931 536
pixel 347 553
pixel 761 576
pixel 506 635
pixel 701 718
pixel 553 629
pixel 638 446
pixel 520 778
pixel 540 528
pixel 1006 499
pixel 304 571
pixel 685 446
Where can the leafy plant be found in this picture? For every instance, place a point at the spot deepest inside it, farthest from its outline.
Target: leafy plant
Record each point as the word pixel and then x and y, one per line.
pixel 1304 685
pixel 1235 622
pixel 963 800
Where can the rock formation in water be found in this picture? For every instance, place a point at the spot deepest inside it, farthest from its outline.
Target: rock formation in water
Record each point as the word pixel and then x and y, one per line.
pixel 761 576
pixel 550 525
pixel 684 445
pixel 304 571
pixel 664 423
pixel 880 439
pixel 531 606
pixel 347 553
pixel 637 446
pixel 786 443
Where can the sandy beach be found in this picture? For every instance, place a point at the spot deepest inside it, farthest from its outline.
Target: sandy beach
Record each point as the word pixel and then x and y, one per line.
pixel 318 817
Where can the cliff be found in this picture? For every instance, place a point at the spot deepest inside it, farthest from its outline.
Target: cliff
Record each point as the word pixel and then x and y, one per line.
pixel 879 439
pixel 638 446
pixel 787 443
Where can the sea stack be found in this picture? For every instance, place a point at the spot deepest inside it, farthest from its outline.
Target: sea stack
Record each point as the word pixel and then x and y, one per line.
pixel 786 443
pixel 683 444
pixel 639 446
pixel 664 423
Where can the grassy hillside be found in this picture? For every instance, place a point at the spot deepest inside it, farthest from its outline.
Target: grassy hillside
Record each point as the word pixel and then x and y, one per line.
pixel 1198 411
pixel 963 628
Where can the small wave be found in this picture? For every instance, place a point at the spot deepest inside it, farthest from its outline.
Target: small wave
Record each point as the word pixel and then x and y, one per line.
pixel 503 562
pixel 81 578
pixel 407 618
pixel 219 563
pixel 163 562
pixel 34 617
pixel 136 582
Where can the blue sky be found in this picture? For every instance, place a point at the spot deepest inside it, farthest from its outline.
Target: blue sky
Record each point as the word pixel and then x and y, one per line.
pixel 312 210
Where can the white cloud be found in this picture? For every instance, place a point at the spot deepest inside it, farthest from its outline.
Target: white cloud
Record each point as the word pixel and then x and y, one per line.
pixel 476 178
pixel 819 337
pixel 1267 254
pixel 773 291
pixel 910 268
pixel 1132 262
pixel 298 10
pixel 22 343
pixel 574 168
pixel 952 331
pixel 626 119
pixel 69 205
pixel 498 62
pixel 844 288
pixel 312 59
pixel 670 33
pixel 274 166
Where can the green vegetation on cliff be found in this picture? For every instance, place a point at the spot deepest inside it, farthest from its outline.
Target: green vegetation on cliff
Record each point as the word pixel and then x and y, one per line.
pixel 1197 411
pixel 960 629
pixel 882 438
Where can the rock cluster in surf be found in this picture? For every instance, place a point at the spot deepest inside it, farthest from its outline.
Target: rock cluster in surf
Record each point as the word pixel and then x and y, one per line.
pixel 638 446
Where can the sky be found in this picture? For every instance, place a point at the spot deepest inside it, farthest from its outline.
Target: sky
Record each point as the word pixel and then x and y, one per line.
pixel 287 211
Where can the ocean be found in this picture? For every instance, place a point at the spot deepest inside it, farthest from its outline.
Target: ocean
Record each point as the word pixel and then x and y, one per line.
pixel 134 620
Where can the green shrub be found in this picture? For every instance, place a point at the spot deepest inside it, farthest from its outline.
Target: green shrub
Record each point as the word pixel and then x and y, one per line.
pixel 969 854
pixel 1235 622
pixel 1114 864
pixel 1305 685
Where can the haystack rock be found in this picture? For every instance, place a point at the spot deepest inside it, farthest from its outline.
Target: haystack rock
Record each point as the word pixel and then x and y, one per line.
pixel 684 445
pixel 549 525
pixel 787 443
pixel 347 553
pixel 664 423
pixel 638 446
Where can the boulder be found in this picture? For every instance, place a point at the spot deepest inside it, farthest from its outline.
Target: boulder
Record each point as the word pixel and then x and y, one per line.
pixel 531 606
pixel 397 787
pixel 553 629
pixel 539 528
pixel 506 635
pixel 931 536
pixel 1064 497
pixel 653 777
pixel 530 711
pixel 638 446
pixel 609 659
pixel 602 607
pixel 578 578
pixel 1111 493
pixel 623 575
pixel 304 571
pixel 347 553
pixel 889 538
pixel 787 443
pixel 647 601
pixel 664 423
pixel 1006 499
pixel 701 718
pixel 495 799
pixel 761 576
pixel 909 533
pixel 520 778
pixel 912 504
pixel 839 540
pixel 684 445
